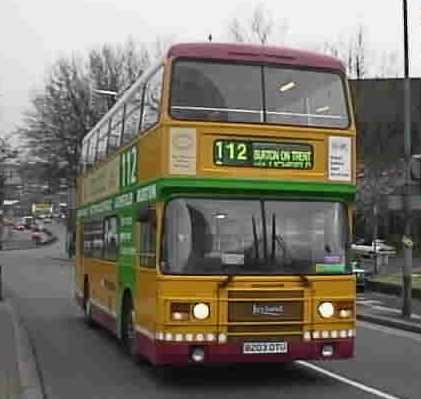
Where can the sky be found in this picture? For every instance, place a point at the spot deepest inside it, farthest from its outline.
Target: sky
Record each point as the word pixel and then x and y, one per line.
pixel 34 33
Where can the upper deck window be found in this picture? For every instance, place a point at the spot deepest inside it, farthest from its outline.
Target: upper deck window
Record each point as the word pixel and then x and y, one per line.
pixel 304 97
pixel 217 92
pixel 225 92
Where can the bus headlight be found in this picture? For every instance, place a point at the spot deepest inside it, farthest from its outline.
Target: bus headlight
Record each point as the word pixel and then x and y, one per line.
pixel 201 311
pixel 326 309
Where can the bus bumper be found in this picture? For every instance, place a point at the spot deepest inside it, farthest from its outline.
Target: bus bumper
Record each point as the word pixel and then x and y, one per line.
pixel 162 353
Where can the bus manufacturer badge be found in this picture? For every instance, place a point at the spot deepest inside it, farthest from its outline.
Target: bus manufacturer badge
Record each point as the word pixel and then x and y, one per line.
pixel 274 310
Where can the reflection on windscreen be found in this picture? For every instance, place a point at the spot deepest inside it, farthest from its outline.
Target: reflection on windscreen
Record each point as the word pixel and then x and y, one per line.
pixel 254 237
pixel 212 91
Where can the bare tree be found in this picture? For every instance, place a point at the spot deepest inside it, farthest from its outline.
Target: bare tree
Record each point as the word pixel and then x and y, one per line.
pixel 114 69
pixel 6 149
pixel 6 152
pixel 258 29
pixel 60 117
pixel 381 171
pixel 261 25
pixel 66 110
pixel 236 31
pixel 353 53
pixel 161 46
pixel 388 65
pixel 357 54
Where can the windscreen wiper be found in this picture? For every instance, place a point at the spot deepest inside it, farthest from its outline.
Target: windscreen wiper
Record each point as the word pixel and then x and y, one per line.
pixel 277 238
pixel 265 240
pixel 228 278
pixel 256 242
pixel 304 278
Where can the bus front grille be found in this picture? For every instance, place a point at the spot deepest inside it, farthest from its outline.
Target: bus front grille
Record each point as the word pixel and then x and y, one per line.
pixel 265 314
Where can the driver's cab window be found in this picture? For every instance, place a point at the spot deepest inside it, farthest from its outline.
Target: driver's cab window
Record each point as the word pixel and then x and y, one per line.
pixel 146 236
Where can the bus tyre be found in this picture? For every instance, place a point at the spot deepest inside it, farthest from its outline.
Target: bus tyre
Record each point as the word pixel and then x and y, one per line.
pixel 128 329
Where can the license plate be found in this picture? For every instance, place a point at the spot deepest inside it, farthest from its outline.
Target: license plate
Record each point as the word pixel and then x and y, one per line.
pixel 265 347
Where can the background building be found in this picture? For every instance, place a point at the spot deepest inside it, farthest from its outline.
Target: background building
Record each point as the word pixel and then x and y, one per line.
pixel 379 112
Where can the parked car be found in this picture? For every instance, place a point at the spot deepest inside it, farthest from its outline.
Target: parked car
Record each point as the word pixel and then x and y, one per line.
pixel 377 246
pixel 19 224
pixel 41 226
pixel 36 237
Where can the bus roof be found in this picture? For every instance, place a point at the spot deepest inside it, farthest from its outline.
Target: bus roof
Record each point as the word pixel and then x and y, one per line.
pixel 255 53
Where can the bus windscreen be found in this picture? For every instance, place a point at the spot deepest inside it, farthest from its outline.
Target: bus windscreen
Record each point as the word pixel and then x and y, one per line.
pixel 254 237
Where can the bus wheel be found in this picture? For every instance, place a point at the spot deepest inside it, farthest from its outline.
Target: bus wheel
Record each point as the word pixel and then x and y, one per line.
pixel 128 328
pixel 87 309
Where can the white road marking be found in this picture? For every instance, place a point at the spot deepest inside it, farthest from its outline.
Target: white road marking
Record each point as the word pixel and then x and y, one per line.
pixel 390 330
pixel 345 380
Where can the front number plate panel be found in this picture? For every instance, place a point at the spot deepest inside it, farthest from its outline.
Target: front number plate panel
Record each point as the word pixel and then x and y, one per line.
pixel 264 347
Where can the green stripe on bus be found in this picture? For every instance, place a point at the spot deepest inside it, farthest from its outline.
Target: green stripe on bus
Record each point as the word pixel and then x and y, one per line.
pixel 163 188
pixel 262 186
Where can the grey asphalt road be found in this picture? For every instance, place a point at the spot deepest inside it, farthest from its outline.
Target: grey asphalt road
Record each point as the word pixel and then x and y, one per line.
pixel 81 362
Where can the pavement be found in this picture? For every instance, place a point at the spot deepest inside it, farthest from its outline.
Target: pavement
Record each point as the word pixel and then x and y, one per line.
pixel 9 374
pixel 386 310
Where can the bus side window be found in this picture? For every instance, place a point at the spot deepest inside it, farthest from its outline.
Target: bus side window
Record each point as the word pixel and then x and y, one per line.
pixel 79 240
pixel 132 112
pixel 87 241
pixel 102 141
pixel 152 100
pixel 93 239
pixel 93 148
pixel 115 132
pixel 83 161
pixel 111 238
pixel 146 226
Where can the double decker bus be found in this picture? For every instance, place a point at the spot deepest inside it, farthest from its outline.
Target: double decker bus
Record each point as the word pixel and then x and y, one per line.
pixel 214 209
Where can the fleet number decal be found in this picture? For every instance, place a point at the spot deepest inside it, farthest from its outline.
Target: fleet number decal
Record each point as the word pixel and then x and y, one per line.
pixel 128 167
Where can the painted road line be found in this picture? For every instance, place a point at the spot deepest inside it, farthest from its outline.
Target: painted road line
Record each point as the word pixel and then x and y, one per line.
pixel 390 330
pixel 345 380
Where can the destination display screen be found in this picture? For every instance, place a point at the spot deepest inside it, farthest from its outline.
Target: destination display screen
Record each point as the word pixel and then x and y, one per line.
pixel 263 154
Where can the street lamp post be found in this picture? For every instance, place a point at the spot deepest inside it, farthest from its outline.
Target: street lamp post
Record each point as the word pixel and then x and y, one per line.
pixel 406 240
